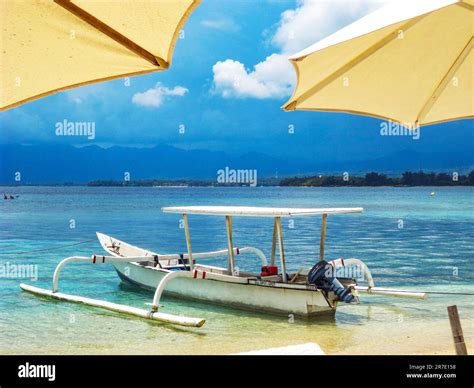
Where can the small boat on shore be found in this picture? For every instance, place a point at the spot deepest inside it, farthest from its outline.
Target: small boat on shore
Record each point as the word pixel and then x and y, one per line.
pixel 308 292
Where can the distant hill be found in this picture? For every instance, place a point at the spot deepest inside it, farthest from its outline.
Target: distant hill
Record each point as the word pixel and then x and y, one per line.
pixel 64 163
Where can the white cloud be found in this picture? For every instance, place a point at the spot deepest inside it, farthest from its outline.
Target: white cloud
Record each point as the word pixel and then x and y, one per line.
pixel 313 20
pixel 272 78
pixel 297 29
pixel 154 97
pixel 221 24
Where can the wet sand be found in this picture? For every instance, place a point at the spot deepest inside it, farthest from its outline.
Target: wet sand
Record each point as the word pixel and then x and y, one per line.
pixel 357 330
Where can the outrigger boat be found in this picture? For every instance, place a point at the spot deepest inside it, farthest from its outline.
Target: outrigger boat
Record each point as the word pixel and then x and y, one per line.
pixel 307 292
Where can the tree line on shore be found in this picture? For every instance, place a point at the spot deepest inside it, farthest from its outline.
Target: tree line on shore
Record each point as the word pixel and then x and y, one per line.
pixel 408 178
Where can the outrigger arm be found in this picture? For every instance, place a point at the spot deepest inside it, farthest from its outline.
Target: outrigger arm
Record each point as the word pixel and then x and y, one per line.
pixel 96 259
pixel 153 314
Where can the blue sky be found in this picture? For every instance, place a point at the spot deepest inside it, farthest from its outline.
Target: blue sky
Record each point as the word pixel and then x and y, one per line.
pixel 222 39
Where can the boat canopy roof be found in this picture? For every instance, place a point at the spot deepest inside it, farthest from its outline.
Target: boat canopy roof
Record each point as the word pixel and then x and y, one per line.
pixel 253 211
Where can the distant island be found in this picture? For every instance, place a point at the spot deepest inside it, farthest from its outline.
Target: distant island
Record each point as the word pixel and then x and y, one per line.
pixel 178 183
pixel 370 179
pixel 375 179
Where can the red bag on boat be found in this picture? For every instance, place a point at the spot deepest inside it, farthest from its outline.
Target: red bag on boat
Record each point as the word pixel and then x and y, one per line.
pixel 269 270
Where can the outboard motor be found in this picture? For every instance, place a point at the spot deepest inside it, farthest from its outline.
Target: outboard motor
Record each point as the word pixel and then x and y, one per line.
pixel 321 275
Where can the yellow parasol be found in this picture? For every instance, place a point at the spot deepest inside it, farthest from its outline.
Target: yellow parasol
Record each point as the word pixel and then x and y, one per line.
pixel 47 46
pixel 410 62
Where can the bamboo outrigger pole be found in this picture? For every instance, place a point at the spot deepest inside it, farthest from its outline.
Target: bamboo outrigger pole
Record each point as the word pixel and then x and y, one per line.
pixel 456 329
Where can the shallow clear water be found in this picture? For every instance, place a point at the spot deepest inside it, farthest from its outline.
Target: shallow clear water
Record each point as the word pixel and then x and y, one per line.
pixel 433 251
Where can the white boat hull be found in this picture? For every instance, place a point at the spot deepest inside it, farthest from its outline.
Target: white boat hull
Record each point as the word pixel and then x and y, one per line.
pixel 262 296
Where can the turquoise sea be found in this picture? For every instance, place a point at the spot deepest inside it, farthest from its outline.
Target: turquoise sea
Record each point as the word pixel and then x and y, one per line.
pixel 407 237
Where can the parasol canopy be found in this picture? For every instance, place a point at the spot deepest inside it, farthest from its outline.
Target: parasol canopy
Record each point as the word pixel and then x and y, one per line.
pixel 47 46
pixel 409 62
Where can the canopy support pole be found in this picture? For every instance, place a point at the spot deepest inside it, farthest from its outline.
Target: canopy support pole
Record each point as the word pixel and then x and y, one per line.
pixel 188 242
pixel 323 237
pixel 281 248
pixel 230 246
pixel 274 242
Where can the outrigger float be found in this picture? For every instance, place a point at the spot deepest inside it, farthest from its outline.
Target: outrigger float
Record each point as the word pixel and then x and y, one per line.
pixel 307 292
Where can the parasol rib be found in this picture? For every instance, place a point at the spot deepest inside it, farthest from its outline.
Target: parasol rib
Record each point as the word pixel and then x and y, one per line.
pixel 111 33
pixel 355 61
pixel 466 5
pixel 444 81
